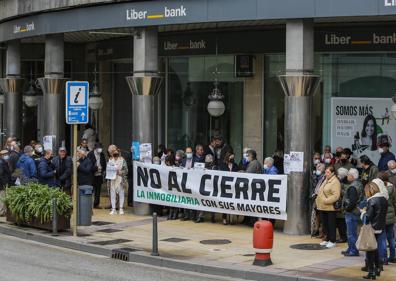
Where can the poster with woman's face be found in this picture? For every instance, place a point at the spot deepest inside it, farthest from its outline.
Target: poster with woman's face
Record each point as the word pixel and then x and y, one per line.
pixel 356 123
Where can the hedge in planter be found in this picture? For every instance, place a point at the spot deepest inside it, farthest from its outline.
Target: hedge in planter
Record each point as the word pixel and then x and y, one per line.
pixel 33 202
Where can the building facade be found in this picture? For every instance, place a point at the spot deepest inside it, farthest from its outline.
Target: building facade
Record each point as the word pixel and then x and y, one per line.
pixel 242 46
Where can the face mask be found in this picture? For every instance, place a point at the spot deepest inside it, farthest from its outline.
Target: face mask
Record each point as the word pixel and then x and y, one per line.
pixel 327 161
pixel 116 155
pixel 318 173
pixel 40 150
pixel 316 161
pixel 6 157
pixel 265 166
pixel 380 150
pixel 393 171
pixel 157 163
pixel 99 150
pixel 189 155
pixel 177 158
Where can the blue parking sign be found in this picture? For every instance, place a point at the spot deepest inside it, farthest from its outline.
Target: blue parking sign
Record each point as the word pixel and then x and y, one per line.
pixel 77 102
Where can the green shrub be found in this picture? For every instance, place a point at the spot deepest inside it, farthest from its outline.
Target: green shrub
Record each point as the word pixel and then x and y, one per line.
pixel 34 201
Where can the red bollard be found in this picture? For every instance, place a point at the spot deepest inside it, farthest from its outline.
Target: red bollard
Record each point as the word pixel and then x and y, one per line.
pixel 263 240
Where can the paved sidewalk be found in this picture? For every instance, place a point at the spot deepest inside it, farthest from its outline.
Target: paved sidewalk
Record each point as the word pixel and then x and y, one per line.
pixel 184 242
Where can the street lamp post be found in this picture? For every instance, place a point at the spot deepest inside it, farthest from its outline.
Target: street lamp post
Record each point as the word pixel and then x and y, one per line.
pixel 95 103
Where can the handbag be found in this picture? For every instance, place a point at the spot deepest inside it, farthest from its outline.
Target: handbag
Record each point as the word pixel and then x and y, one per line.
pixel 366 241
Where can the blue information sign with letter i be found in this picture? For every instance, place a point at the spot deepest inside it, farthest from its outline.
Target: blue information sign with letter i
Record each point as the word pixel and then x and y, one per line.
pixel 77 97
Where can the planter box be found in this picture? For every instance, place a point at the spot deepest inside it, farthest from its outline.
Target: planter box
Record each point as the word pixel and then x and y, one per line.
pixel 63 223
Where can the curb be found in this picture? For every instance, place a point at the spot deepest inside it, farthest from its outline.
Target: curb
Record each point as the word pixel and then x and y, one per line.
pixel 155 261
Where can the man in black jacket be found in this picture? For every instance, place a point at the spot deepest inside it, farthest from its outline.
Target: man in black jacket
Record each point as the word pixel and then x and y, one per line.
pixel 63 165
pixel 84 168
pixel 98 160
pixel 350 202
pixel 5 174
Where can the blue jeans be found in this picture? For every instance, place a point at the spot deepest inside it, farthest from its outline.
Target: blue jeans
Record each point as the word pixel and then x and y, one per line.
pixel 352 221
pixel 382 252
pixel 390 236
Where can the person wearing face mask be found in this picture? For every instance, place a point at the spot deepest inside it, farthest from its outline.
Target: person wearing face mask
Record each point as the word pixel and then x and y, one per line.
pixel 392 171
pixel 370 171
pixel 316 159
pixel 342 174
pixel 188 162
pixel 350 202
pixel 117 184
pixel 98 159
pixel 38 153
pixel 179 155
pixel 46 170
pixel 317 180
pixel 254 166
pixel 343 162
pixel 14 153
pixel 329 193
pixel 269 168
pixel 386 155
pixel 328 159
pixel 229 166
pixel 27 165
pixel 244 161
pixel 63 165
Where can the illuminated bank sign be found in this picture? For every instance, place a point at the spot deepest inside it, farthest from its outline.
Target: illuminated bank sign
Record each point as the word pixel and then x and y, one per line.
pixel 178 12
pixel 189 45
pixel 23 28
pixel 375 39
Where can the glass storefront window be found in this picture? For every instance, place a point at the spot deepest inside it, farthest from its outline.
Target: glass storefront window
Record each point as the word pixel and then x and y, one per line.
pixel 362 75
pixel 190 81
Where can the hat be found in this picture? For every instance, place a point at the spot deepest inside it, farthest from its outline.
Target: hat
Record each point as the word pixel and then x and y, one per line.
pixel 3 152
pixel 98 145
pixel 384 140
pixel 62 148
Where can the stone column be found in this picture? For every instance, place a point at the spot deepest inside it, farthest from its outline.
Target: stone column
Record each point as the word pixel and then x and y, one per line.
pixel 53 87
pixel 299 84
pixel 144 85
pixel 12 86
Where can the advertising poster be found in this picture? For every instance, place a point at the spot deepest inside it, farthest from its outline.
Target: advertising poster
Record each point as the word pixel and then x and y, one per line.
pixel 357 123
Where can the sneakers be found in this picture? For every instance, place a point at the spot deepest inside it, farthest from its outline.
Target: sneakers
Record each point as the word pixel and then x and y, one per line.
pixel 121 211
pixel 113 212
pixel 330 245
pixel 324 243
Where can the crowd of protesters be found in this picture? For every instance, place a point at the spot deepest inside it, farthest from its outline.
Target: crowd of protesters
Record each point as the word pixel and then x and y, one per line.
pixel 348 192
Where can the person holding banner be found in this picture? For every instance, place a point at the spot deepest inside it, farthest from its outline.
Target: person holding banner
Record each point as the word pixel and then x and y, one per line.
pixel 254 165
pixel 329 193
pixel 116 172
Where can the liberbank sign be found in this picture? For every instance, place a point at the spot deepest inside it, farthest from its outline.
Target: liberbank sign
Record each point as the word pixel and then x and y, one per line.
pixel 167 12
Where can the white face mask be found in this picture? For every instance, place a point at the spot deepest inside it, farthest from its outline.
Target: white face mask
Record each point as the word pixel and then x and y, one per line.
pixel 40 149
pixel 316 161
pixel 99 150
pixel 318 173
pixel 380 150
pixel 327 160
pixel 265 166
pixel 189 155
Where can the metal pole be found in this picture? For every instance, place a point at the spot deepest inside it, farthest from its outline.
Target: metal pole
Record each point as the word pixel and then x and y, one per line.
pixel 75 189
pixel 154 251
pixel 54 218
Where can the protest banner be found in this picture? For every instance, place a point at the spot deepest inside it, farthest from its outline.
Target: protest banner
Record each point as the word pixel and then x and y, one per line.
pixel 244 194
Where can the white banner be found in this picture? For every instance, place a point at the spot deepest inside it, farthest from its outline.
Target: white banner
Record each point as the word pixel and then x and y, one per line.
pixel 213 191
pixel 357 123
